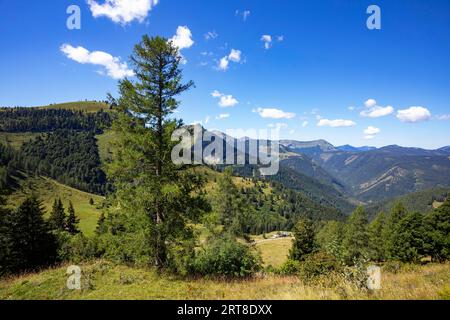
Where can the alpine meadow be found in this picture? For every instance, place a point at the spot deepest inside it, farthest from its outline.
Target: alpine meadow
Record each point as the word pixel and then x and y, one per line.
pixel 295 184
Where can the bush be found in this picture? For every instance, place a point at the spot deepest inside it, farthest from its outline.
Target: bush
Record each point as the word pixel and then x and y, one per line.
pixel 318 264
pixel 225 257
pixel 290 267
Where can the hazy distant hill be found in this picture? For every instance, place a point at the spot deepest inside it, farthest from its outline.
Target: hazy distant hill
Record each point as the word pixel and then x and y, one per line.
pixel 350 148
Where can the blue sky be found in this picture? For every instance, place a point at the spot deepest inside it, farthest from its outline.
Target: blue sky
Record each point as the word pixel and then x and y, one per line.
pixel 323 75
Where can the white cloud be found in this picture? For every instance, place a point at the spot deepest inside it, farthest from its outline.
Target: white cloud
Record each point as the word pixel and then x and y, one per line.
pixel 211 35
pixel 443 117
pixel 278 126
pixel 234 56
pixel 371 132
pixel 114 68
pixel 245 14
pixel 375 111
pixel 370 103
pixel 225 101
pixel 305 124
pixel 183 38
pixel 351 108
pixel 280 38
pixel 274 113
pixel 223 116
pixel 414 114
pixel 335 123
pixel 122 11
pixel 267 39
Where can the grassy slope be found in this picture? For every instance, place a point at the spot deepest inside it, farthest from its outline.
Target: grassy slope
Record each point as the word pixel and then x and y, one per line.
pixel 47 190
pixel 16 140
pixel 102 280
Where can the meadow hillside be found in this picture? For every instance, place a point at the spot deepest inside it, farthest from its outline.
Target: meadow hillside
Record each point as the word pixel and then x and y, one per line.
pixel 103 280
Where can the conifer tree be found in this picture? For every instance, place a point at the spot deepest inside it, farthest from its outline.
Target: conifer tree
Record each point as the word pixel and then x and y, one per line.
pixel 304 242
pixel 376 240
pixel 147 183
pixel 356 238
pixel 408 241
pixel 437 232
pixel 72 220
pixel 398 211
pixel 57 217
pixel 33 245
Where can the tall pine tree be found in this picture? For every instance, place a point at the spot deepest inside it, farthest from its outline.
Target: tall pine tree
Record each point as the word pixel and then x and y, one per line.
pixel 72 220
pixel 304 242
pixel 147 182
pixel 57 217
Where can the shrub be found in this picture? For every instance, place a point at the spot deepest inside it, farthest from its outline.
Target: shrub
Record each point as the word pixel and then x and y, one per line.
pixel 290 267
pixel 225 257
pixel 318 264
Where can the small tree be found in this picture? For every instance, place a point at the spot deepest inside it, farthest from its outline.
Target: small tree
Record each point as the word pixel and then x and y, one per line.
pixel 57 218
pixel 398 211
pixel 305 240
pixel 356 238
pixel 376 240
pixel 72 220
pixel 437 230
pixel 33 245
pixel 409 238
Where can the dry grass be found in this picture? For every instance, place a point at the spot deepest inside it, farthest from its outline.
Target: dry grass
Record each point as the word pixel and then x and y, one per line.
pixel 102 280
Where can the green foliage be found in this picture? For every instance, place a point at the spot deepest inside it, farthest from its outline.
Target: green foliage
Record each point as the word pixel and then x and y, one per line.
pixel 49 120
pixel 225 257
pixel 290 267
pixel 408 241
pixel 304 243
pixel 58 217
pixel 397 213
pixel 376 240
pixel 330 238
pixel 318 264
pixel 437 232
pixel 150 189
pixel 69 157
pixel 72 220
pixel 356 238
pixel 27 242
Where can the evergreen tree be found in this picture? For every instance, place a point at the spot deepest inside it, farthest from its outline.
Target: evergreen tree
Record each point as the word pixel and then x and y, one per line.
pixel 398 211
pixel 330 238
pixel 409 238
pixel 32 243
pixel 57 217
pixel 147 183
pixel 5 239
pixel 356 238
pixel 437 231
pixel 376 240
pixel 72 220
pixel 226 199
pixel 304 242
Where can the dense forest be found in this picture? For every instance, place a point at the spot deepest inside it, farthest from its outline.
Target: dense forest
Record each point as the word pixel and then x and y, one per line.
pixel 48 120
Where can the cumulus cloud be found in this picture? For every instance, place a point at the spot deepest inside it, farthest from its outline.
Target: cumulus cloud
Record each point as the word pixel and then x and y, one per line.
pixel 414 115
pixel 225 101
pixel 305 124
pixel 371 132
pixel 335 123
pixel 234 56
pixel 274 113
pixel 114 67
pixel 122 11
pixel 183 38
pixel 375 111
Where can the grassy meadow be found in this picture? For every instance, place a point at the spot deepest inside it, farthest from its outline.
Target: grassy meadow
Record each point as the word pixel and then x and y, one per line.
pixel 103 280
